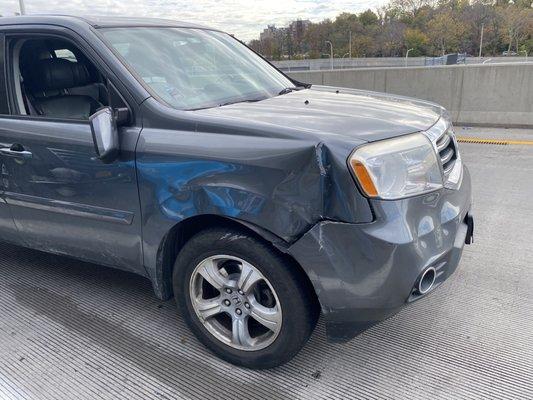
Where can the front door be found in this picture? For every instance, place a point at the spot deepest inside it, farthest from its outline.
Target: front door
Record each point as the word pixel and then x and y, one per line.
pixel 62 197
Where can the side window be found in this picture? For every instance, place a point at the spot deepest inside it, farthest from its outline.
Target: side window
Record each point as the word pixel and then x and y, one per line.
pixel 53 79
pixel 65 54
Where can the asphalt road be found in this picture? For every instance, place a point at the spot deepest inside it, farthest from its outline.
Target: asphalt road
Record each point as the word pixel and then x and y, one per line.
pixel 70 330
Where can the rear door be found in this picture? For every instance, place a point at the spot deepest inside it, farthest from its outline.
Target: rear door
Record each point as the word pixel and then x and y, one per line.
pixel 63 199
pixel 8 230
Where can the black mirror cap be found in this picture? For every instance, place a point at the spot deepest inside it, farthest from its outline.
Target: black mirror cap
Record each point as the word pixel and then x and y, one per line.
pixel 105 135
pixel 122 116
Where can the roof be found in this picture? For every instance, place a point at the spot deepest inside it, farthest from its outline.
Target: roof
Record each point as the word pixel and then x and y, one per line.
pixel 96 21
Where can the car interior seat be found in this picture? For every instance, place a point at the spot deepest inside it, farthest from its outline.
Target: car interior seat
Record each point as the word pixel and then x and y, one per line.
pixel 60 88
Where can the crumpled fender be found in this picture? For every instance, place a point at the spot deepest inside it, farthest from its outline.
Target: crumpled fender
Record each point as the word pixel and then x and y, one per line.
pixel 282 185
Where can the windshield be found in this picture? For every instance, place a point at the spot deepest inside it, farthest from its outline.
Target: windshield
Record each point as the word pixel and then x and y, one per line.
pixel 196 68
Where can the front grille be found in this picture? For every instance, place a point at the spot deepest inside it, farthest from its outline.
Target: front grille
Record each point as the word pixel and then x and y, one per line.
pixel 447 151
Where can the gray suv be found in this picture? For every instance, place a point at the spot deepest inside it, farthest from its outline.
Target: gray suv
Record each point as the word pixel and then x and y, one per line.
pixel 175 152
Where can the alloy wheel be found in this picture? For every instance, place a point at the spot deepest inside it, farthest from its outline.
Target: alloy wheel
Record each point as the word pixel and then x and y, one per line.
pixel 235 302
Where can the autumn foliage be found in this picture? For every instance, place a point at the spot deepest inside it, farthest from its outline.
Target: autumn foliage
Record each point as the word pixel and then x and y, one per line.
pixel 429 27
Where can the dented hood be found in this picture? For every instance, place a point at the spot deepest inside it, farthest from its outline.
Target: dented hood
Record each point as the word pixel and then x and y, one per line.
pixel 349 113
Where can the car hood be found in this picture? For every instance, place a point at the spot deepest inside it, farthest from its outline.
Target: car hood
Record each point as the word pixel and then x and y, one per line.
pixel 349 113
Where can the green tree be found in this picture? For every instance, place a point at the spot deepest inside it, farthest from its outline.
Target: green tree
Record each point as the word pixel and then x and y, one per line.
pixel 446 32
pixel 416 40
pixel 368 18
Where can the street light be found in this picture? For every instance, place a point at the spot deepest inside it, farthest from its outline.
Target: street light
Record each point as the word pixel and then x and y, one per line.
pixel 407 55
pixel 481 40
pixel 331 52
pixel 344 65
pixel 350 44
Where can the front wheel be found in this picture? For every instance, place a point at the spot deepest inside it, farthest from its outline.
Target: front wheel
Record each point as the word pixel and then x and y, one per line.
pixel 242 299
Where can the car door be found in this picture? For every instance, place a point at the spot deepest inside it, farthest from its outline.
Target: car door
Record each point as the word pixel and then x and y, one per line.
pixel 8 230
pixel 62 197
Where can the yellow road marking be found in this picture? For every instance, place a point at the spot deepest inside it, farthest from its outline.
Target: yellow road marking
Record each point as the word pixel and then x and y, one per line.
pixel 503 142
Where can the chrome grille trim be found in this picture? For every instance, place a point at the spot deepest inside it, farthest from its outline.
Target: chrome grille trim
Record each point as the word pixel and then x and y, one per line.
pixel 448 169
pixel 443 142
pixel 442 137
pixel 445 146
pixel 446 155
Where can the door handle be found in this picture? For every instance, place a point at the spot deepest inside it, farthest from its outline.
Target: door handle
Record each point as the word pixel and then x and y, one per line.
pixel 16 151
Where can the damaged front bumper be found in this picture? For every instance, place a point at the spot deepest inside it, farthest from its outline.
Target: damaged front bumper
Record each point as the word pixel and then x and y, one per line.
pixel 364 273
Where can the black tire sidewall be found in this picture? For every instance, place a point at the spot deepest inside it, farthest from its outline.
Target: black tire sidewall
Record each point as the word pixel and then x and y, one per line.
pixel 297 320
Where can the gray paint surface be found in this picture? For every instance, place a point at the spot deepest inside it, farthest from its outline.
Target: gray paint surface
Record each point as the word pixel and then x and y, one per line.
pixel 324 113
pixel 278 164
pixel 64 200
pixel 74 330
pixel 364 273
pixel 490 94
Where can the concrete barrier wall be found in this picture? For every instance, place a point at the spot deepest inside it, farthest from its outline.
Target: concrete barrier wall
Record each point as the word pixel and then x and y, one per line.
pixel 490 94
pixel 377 62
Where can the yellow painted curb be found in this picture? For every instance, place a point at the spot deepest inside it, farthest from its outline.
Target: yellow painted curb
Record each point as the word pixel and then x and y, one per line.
pixel 501 142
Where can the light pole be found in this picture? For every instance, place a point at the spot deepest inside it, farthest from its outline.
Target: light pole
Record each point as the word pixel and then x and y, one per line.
pixel 331 52
pixel 407 55
pixel 350 44
pixel 343 57
pixel 22 7
pixel 481 39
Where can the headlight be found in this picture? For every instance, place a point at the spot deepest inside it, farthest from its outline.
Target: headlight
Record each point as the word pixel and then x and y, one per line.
pixel 397 168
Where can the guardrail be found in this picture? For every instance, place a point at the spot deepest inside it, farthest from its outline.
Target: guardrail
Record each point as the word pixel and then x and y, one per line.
pixel 487 94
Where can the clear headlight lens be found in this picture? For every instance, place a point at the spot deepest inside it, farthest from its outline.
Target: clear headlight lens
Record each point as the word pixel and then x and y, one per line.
pixel 397 168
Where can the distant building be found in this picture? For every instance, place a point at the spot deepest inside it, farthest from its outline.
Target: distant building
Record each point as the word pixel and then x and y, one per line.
pixel 268 33
pixel 284 42
pixel 298 28
pixel 295 31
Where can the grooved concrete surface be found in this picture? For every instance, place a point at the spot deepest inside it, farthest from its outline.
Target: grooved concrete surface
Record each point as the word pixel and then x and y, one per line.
pixel 70 330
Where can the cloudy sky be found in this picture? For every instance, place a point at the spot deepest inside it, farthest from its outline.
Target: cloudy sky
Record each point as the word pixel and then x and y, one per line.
pixel 244 18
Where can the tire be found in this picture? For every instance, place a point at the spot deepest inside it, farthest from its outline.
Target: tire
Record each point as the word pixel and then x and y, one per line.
pixel 284 293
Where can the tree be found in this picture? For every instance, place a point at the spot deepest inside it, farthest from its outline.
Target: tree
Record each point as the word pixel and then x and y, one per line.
pixel 391 38
pixel 368 18
pixel 416 40
pixel 428 26
pixel 256 45
pixel 445 32
pixel 518 24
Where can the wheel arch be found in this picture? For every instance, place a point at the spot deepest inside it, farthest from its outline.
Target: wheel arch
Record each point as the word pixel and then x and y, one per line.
pixel 180 233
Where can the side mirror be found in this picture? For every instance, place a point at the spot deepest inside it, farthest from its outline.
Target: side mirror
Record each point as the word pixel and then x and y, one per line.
pixel 105 135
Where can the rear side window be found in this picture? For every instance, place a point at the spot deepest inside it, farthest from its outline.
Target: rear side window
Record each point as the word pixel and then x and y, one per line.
pixel 65 54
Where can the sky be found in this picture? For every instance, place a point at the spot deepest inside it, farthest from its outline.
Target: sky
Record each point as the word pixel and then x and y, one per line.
pixel 243 18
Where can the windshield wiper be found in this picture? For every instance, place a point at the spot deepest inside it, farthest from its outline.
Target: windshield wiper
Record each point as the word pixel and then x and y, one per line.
pixel 241 101
pixel 227 104
pixel 286 90
pixel 290 89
